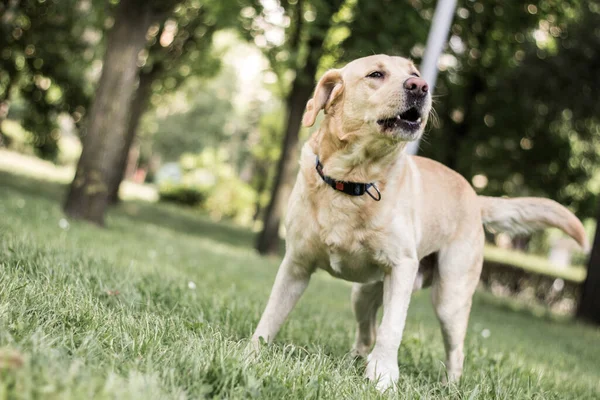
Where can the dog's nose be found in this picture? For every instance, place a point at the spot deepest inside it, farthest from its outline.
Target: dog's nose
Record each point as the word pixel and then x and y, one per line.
pixel 416 86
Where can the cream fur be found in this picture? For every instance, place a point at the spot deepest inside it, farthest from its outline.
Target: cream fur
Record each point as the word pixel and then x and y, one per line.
pixel 427 228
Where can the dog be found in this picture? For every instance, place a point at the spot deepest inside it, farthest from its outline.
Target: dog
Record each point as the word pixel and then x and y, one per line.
pixel 364 211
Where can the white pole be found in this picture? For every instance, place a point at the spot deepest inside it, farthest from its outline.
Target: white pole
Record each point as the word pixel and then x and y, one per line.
pixel 438 34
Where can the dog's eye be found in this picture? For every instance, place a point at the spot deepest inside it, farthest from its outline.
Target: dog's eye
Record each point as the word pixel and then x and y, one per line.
pixel 415 74
pixel 376 75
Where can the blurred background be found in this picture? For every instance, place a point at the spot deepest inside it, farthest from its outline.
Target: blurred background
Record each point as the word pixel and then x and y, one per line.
pixel 198 103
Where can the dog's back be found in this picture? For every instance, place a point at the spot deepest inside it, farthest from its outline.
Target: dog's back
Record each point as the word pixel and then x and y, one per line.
pixel 517 216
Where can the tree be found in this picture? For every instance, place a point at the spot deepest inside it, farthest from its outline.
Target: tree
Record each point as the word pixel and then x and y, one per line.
pixel 511 120
pixel 304 47
pixel 208 120
pixel 589 303
pixel 577 66
pixel 43 64
pixel 371 33
pixel 105 138
pixel 504 117
pixel 179 47
pixel 265 152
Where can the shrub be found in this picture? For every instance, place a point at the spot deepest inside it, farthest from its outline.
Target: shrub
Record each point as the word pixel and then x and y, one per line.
pixel 207 181
pixel 231 198
pixel 181 194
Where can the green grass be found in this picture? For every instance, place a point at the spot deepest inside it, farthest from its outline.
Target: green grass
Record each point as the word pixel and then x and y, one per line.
pixel 161 303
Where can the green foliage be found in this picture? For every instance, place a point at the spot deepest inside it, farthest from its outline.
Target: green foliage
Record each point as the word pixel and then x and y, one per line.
pixel 180 45
pixel 179 60
pixel 264 151
pixel 18 138
pixel 515 74
pixel 514 94
pixel 161 307
pixel 288 36
pixel 181 193
pixel 231 198
pixel 370 30
pixel 210 183
pixel 46 49
pixel 200 115
pixel 49 49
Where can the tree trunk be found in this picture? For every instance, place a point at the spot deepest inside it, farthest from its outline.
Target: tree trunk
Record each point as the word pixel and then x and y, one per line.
pixel 139 105
pixel 4 105
pixel 589 304
pixel 262 172
pixel 105 140
pixel 6 26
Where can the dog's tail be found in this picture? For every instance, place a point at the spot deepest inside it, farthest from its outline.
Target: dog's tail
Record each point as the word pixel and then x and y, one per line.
pixel 524 215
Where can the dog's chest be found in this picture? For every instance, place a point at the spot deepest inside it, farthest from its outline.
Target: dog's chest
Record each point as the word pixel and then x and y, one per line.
pixel 354 267
pixel 353 248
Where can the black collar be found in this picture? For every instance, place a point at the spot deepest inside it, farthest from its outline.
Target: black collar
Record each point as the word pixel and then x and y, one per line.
pixel 350 188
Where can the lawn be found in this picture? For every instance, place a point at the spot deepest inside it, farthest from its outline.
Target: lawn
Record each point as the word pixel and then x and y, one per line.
pixel 160 305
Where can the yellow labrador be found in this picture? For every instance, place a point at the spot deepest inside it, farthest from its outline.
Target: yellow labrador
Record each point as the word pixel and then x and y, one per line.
pixel 365 212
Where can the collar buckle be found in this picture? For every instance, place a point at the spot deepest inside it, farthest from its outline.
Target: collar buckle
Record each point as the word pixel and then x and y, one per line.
pixel 372 185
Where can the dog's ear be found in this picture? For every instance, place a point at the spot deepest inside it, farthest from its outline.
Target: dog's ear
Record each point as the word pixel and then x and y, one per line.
pixel 328 89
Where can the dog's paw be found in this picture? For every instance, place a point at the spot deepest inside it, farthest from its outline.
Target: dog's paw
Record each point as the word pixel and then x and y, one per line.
pixel 384 373
pixel 252 349
pixel 451 377
pixel 359 352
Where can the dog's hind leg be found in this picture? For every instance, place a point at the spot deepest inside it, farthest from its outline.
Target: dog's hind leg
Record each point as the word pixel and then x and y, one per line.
pixel 366 300
pixel 454 283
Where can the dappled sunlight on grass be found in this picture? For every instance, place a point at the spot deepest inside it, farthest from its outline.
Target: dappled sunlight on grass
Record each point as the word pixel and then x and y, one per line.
pixel 35 168
pixel 534 263
pixel 20 164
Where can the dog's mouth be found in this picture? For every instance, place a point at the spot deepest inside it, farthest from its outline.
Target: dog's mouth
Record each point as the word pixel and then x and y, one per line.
pixel 409 120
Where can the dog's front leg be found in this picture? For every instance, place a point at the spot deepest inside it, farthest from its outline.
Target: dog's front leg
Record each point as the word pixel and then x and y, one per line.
pixel 382 363
pixel 291 281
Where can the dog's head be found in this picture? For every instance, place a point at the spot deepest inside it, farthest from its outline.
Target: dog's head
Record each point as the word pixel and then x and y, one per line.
pixel 376 95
